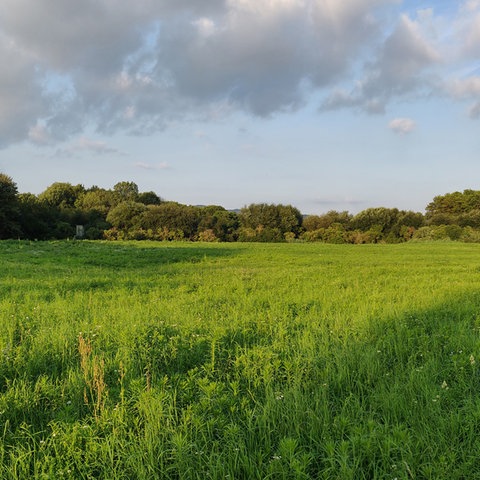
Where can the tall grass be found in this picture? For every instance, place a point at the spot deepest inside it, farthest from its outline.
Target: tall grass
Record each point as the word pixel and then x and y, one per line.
pixel 189 361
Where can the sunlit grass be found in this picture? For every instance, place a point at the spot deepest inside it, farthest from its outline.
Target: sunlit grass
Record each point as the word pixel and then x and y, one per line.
pixel 186 361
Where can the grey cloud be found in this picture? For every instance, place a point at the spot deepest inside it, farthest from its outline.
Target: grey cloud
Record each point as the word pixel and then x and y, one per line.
pixel 400 69
pixel 21 101
pixel 474 110
pixel 264 56
pixel 139 66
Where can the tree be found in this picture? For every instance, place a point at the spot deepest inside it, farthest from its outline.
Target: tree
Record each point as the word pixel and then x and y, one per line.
pixel 9 209
pixel 382 217
pixel 269 221
pixel 126 215
pixel 62 195
pixel 290 219
pixel 315 222
pixel 96 200
pixel 125 192
pixel 221 222
pixel 149 198
pixel 470 219
pixel 172 216
pixel 37 220
pixel 454 203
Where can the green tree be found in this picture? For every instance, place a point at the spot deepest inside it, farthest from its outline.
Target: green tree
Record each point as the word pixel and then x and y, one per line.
pixel 125 192
pixel 290 219
pixel 9 208
pixel 221 222
pixel 62 195
pixel 379 221
pixel 172 216
pixel 269 221
pixel 470 219
pixel 315 222
pixel 454 203
pixel 149 198
pixel 96 200
pixel 126 216
pixel 37 220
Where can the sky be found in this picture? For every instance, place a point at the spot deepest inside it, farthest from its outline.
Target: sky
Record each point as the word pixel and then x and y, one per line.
pixel 321 104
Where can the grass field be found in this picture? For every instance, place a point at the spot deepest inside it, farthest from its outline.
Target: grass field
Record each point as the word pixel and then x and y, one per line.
pixel 239 361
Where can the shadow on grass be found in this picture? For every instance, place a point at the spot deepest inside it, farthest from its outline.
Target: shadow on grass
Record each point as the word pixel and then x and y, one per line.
pixel 116 255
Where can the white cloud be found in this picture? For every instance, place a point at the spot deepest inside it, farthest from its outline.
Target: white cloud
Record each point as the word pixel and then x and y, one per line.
pixel 402 125
pixel 86 145
pixel 150 166
pixel 95 146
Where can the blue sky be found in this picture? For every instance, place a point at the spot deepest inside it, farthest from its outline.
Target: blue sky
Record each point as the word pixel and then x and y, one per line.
pixel 317 103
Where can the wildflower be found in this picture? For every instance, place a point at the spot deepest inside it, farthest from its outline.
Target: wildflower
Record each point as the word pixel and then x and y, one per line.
pixel 472 360
pixel 445 385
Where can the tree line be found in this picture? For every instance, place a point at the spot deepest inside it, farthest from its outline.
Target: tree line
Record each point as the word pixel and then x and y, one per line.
pixel 124 213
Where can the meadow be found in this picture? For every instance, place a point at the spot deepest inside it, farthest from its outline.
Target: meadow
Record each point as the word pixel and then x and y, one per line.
pixel 143 360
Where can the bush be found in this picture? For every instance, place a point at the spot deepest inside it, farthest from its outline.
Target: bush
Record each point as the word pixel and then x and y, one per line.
pixel 207 236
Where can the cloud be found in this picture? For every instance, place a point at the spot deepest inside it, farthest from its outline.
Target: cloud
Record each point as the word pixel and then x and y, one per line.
pixel 95 146
pixel 139 66
pixel 400 69
pixel 466 89
pixel 401 125
pixel 474 110
pixel 20 99
pixel 85 144
pixel 149 166
pixel 330 202
pixel 39 135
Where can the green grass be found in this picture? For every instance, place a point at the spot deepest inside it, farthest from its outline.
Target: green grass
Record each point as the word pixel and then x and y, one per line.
pixel 239 361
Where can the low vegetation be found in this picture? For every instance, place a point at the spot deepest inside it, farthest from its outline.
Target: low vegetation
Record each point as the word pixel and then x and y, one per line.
pixel 152 360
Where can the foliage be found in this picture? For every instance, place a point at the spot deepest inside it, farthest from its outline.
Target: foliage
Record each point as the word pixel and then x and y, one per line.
pixel 173 217
pixel 149 198
pixel 125 216
pixel 62 195
pixel 455 203
pixel 125 192
pixel 97 201
pixel 8 208
pixel 124 213
pixel 268 223
pixel 379 219
pixel 317 222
